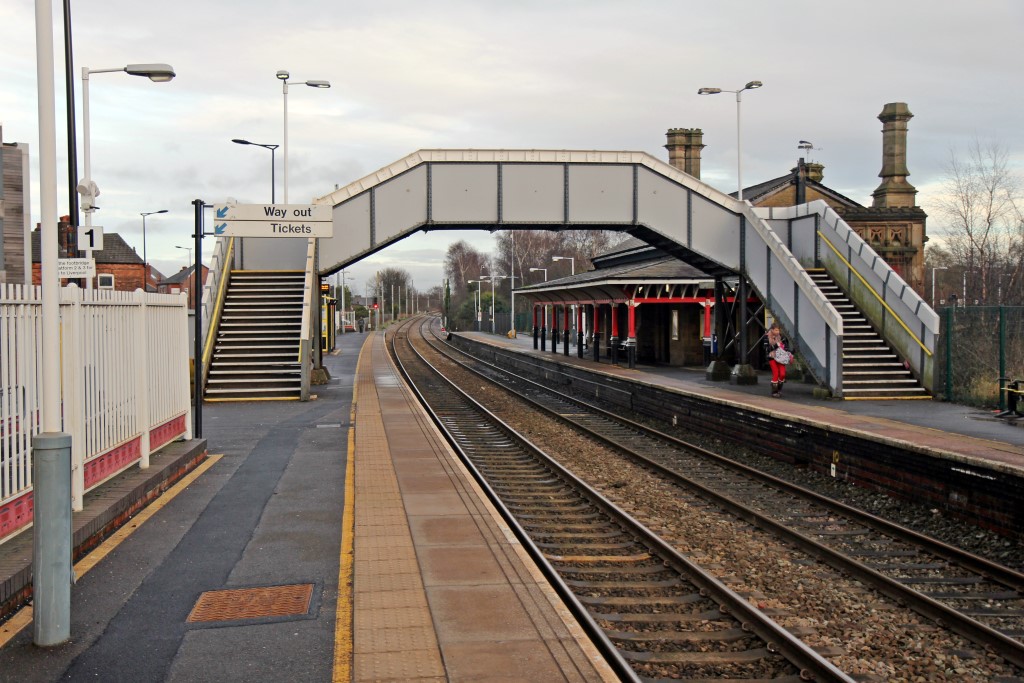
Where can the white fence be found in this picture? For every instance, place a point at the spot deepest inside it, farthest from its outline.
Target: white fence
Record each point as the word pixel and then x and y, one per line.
pixel 124 386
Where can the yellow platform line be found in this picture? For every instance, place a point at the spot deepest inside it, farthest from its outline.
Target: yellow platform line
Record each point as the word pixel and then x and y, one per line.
pixel 23 617
pixel 343 612
pixel 242 400
pixel 887 398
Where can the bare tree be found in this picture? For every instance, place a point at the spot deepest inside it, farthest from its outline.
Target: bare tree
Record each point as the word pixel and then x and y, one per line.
pixel 461 263
pixel 983 225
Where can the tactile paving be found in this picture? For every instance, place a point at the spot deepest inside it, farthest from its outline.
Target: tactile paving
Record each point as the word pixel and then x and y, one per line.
pixel 252 603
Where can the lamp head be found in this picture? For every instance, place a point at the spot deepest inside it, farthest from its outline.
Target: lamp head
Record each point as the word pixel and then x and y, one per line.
pixel 318 84
pixel 160 73
pixel 753 85
pixel 237 141
pixel 557 258
pixel 709 91
pixel 283 75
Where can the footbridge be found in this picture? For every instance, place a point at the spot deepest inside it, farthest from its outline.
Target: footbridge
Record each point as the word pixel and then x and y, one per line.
pixel 768 250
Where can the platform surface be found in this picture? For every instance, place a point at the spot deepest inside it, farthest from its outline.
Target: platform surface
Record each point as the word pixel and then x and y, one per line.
pixel 939 427
pixel 246 573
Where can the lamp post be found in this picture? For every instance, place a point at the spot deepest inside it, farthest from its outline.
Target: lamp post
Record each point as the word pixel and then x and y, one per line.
pixel 283 76
pixel 273 182
pixel 752 85
pixel 341 296
pixel 477 309
pixel 933 282
pixel 159 73
pixel 145 261
pixel 195 276
pixel 572 263
pixel 493 278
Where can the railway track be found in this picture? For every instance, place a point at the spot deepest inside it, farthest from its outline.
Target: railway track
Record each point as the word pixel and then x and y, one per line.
pixel 655 614
pixel 969 595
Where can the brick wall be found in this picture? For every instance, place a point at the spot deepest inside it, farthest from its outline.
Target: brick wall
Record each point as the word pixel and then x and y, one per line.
pixel 127 276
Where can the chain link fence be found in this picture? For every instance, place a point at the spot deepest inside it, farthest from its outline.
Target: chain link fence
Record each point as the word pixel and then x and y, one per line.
pixel 979 345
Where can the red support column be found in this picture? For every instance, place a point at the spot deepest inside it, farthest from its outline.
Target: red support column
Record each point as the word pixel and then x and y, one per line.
pixel 631 339
pixel 597 332
pixel 579 331
pixel 536 331
pixel 613 341
pixel 554 328
pixel 565 333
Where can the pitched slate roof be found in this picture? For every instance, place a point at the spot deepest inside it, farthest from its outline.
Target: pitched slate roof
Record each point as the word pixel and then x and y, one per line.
pixel 180 277
pixel 115 250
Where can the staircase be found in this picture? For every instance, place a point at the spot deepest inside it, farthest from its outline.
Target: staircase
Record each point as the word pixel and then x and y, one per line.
pixel 256 350
pixel 870 368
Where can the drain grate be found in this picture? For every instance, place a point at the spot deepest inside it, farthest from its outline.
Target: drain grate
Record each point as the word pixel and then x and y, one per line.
pixel 253 603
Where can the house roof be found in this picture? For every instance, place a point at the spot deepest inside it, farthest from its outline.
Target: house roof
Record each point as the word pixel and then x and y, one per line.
pixel 115 250
pixel 180 277
pixel 760 192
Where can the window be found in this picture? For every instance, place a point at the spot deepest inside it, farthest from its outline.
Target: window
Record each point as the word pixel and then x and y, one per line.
pixel 104 281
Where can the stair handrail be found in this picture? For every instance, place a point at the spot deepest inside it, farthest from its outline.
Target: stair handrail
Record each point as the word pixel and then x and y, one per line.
pixel 819 342
pixel 906 322
pixel 214 293
pixel 878 298
pixel 305 331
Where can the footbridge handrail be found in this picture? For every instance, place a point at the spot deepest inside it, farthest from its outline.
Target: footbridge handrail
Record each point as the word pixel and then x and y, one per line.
pixel 213 298
pixel 900 315
pixel 819 337
pixel 880 300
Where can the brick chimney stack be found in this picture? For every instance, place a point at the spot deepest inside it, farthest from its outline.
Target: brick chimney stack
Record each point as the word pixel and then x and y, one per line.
pixel 895 190
pixel 684 146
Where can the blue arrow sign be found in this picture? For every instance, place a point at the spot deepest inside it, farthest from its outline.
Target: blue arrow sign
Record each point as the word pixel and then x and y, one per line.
pixel 222 212
pixel 219 229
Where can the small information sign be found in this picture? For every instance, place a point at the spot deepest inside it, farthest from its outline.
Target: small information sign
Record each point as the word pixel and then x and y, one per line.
pixel 76 267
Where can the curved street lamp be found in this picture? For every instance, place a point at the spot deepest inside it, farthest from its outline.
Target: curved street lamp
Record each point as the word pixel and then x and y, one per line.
pixel 159 73
pixel 283 76
pixel 752 85
pixel 145 261
pixel 273 182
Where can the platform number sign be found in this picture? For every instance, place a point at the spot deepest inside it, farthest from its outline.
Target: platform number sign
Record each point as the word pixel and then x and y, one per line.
pixel 90 237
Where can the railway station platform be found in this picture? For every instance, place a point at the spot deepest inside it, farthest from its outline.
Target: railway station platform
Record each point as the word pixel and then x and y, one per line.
pixel 332 540
pixel 946 429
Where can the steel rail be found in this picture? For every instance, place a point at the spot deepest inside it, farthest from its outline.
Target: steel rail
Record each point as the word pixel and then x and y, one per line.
pixel 947 617
pixel 812 665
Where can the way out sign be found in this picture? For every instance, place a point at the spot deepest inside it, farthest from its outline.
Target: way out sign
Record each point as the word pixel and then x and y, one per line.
pixel 273 220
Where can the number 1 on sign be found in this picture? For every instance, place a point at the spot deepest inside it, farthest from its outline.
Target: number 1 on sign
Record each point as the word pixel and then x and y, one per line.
pixel 90 237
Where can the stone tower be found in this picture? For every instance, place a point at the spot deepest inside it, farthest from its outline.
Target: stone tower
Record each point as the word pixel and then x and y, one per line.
pixel 684 147
pixel 895 190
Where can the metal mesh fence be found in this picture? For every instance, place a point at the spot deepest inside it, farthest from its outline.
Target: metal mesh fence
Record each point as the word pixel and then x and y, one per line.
pixel 978 345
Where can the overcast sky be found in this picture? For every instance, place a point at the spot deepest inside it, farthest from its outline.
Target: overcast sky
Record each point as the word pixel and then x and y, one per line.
pixel 574 74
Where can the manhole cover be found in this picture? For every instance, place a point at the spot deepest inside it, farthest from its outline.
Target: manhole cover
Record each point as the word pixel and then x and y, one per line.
pixel 252 603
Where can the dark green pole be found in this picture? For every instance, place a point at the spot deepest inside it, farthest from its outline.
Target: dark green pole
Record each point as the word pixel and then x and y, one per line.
pixel 1002 360
pixel 949 353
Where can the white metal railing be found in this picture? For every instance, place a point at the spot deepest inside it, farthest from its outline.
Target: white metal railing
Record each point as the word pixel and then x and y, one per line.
pixel 220 265
pixel 124 382
pixel 817 234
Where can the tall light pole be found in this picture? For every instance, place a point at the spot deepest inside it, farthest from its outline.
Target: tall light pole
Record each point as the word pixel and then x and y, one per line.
pixel 145 260
pixel 933 282
pixel 493 278
pixel 752 85
pixel 283 76
pixel 341 296
pixel 478 302
pixel 273 182
pixel 572 261
pixel 195 276
pixel 51 448
pixel 159 73
pixel 545 271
